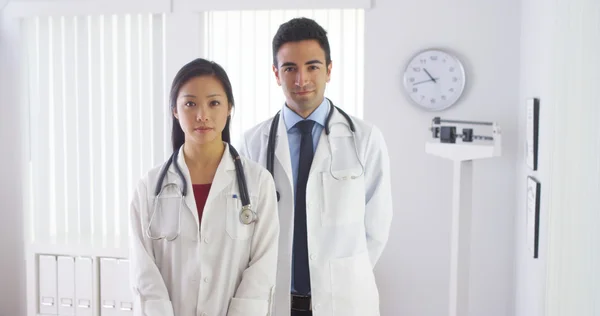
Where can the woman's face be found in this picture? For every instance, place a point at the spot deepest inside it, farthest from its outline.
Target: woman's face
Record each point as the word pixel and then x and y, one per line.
pixel 202 110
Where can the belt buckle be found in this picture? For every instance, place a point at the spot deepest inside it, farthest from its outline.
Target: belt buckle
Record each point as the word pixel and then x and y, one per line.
pixel 301 303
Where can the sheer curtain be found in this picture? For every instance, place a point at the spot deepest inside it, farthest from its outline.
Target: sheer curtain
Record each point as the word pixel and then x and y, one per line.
pixel 573 277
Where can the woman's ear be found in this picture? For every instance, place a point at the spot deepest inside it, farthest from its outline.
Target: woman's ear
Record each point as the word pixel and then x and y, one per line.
pixel 230 109
pixel 175 113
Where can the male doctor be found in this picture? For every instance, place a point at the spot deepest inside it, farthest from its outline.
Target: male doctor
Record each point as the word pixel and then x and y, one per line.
pixel 335 204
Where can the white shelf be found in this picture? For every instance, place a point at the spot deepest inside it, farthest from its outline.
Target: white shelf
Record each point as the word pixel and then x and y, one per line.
pixel 78 250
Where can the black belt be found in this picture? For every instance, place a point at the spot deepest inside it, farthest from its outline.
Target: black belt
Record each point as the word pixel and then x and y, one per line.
pixel 301 303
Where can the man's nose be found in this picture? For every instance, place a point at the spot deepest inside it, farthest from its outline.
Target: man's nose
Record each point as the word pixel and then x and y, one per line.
pixel 301 78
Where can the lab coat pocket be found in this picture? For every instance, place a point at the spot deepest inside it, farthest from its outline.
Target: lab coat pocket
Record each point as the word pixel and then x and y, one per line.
pixel 353 287
pixel 343 198
pixel 165 217
pixel 234 226
pixel 246 307
pixel 157 308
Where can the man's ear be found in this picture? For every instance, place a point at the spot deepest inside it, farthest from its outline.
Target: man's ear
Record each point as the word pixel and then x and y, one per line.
pixel 329 71
pixel 276 72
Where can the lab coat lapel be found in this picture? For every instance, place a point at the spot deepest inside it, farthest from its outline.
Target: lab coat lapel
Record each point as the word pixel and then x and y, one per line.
pixel 222 179
pixel 190 201
pixel 282 149
pixel 323 152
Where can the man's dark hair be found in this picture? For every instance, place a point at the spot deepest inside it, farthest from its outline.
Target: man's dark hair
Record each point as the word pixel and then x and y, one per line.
pixel 300 29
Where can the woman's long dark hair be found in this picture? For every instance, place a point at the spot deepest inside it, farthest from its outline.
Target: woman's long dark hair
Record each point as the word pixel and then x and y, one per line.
pixel 197 68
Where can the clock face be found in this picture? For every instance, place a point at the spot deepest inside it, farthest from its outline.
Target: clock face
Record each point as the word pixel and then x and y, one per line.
pixel 434 80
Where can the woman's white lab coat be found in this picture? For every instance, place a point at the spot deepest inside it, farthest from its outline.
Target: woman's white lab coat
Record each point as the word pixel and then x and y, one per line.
pixel 221 268
pixel 348 211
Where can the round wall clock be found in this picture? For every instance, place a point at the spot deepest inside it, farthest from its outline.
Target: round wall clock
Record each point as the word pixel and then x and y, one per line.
pixel 434 79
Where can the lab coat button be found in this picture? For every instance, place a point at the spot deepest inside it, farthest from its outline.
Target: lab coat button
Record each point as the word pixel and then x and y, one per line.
pixel 205 280
pixel 316 307
pixel 313 256
pixel 206 240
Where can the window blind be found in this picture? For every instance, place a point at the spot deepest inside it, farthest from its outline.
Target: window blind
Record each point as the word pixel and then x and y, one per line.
pixel 241 41
pixel 97 122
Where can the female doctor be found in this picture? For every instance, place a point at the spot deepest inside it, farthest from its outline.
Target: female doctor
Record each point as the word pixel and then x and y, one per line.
pixel 197 248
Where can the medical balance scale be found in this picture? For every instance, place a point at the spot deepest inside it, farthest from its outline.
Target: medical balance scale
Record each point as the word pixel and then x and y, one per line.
pixel 462 146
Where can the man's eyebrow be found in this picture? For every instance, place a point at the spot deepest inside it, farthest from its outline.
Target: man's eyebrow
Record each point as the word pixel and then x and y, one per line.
pixel 310 62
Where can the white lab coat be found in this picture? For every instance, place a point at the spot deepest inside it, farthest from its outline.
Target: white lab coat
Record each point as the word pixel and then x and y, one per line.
pixel 348 220
pixel 223 268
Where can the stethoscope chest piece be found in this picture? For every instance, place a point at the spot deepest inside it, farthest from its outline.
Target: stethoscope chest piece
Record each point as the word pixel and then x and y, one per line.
pixel 247 216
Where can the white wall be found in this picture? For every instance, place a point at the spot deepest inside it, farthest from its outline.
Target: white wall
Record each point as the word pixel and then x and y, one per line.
pixel 12 262
pixel 413 273
pixel 536 81
pixel 560 58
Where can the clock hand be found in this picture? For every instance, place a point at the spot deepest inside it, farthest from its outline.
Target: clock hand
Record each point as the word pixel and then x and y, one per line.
pixel 429 75
pixel 420 82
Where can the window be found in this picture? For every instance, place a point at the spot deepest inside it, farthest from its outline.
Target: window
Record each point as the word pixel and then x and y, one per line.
pixel 241 42
pixel 99 116
pixel 97 121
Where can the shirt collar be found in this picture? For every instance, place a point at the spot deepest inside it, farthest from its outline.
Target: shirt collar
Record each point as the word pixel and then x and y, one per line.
pixel 319 115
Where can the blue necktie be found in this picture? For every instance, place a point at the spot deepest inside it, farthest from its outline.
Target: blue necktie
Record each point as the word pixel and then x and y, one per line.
pixel 301 272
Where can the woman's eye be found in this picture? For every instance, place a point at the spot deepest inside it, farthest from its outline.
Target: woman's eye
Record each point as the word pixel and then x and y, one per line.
pixel 190 103
pixel 215 103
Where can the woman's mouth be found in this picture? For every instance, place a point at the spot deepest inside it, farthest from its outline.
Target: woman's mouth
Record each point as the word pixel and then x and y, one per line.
pixel 203 129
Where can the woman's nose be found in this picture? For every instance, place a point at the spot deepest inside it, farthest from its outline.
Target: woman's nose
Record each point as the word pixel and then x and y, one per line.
pixel 202 115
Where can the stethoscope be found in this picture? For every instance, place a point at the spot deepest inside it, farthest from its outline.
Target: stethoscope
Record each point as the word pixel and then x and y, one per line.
pixel 273 137
pixel 247 215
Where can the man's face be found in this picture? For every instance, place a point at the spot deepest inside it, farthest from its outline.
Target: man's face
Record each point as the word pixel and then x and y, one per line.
pixel 302 73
